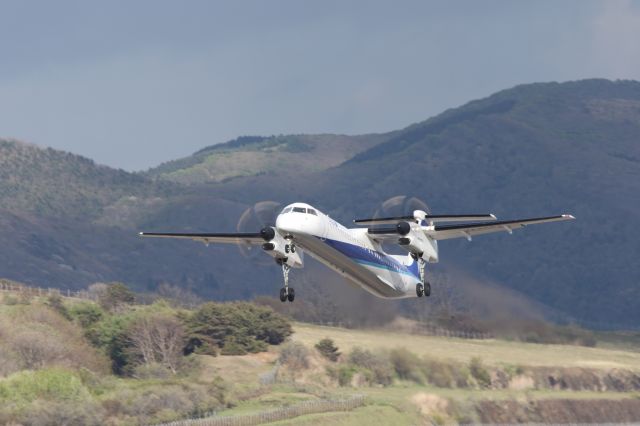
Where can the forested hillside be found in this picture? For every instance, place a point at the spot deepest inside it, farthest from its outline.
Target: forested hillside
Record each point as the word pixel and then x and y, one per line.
pixel 533 150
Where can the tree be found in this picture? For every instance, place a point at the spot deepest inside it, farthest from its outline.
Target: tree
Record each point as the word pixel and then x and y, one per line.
pixel 245 327
pixel 86 313
pixel 158 338
pixel 116 296
pixel 328 349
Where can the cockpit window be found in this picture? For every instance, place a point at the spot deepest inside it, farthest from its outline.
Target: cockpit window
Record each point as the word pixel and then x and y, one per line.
pixel 299 210
pixel 312 211
pixel 287 210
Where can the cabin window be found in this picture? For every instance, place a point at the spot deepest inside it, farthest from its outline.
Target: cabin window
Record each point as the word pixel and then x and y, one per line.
pixel 312 211
pixel 299 210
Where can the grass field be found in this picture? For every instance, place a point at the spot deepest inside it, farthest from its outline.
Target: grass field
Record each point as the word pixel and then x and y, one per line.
pixel 407 402
pixel 492 351
pixel 404 401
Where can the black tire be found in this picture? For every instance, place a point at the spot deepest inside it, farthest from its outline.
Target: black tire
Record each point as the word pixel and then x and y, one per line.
pixel 419 290
pixel 291 295
pixel 283 294
pixel 427 289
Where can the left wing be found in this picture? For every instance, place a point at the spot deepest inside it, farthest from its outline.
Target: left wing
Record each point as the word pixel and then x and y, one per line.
pixel 427 217
pixel 445 232
pixel 246 238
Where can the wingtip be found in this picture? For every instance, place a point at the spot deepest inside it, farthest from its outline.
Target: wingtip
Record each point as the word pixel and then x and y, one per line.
pixel 568 216
pixel 493 216
pixel 141 234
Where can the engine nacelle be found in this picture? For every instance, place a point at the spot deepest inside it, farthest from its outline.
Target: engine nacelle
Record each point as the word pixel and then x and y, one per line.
pixel 281 249
pixel 416 242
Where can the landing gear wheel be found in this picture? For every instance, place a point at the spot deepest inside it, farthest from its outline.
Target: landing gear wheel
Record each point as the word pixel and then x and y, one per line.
pixel 291 295
pixel 419 290
pixel 283 294
pixel 427 289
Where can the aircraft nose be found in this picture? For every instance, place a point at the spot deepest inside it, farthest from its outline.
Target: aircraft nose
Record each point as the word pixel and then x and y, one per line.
pixel 294 223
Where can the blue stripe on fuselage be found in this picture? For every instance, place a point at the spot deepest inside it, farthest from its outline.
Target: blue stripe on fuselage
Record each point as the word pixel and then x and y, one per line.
pixel 374 258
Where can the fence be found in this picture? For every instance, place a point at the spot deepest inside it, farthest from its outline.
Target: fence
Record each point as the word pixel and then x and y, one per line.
pixel 426 330
pixel 431 330
pixel 10 286
pixel 278 414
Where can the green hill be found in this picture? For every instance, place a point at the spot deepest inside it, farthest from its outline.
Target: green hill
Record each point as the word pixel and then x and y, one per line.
pixel 49 182
pixel 531 150
pixel 277 155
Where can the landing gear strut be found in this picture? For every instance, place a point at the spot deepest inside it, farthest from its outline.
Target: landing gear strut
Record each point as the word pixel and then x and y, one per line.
pixel 286 293
pixel 421 289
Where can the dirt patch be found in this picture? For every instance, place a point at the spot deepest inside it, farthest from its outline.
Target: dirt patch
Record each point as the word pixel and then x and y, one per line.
pixel 430 404
pixel 521 382
pixel 584 379
pixel 560 411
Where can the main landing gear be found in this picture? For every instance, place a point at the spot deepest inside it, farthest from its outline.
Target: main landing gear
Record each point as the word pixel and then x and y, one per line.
pixel 422 289
pixel 286 293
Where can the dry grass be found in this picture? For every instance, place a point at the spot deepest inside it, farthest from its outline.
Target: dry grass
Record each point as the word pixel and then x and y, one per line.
pixel 244 369
pixel 492 352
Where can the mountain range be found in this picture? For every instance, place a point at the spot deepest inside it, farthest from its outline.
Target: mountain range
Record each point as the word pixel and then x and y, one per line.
pixel 532 150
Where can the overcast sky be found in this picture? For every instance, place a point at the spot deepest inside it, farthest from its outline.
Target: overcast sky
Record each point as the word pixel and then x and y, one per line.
pixel 131 84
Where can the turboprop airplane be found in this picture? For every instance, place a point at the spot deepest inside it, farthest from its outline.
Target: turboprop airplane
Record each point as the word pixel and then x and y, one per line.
pixel 357 253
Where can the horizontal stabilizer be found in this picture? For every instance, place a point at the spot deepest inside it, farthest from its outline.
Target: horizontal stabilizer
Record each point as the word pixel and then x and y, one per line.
pixel 429 218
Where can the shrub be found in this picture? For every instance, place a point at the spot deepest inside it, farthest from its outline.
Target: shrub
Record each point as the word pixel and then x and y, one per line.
pixel 86 314
pixel 49 384
pixel 110 335
pixel 47 413
pixel 56 303
pixel 168 402
pixel 116 296
pixel 406 365
pixel 9 361
pixel 439 373
pixel 42 338
pixel 479 372
pixel 243 326
pixel 242 345
pixel 10 299
pixel 37 349
pixel 295 356
pixel 343 373
pixel 379 365
pixel 328 349
pixel 152 371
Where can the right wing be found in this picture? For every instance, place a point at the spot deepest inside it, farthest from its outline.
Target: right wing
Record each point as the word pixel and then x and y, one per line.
pixel 246 238
pixel 444 232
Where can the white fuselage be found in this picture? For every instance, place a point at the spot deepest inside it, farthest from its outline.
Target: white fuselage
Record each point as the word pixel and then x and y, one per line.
pixel 350 252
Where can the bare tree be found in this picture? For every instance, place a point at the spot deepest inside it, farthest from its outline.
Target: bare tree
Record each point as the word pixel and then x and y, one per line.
pixel 97 291
pixel 158 338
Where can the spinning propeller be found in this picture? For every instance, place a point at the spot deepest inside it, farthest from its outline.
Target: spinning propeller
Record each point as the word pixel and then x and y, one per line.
pixel 259 216
pixel 400 206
